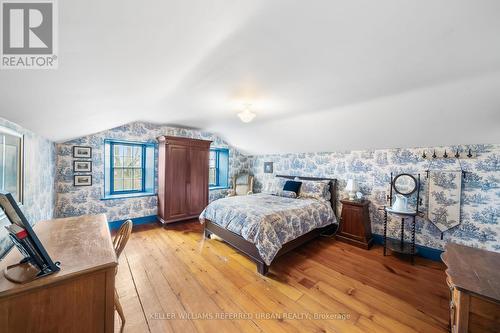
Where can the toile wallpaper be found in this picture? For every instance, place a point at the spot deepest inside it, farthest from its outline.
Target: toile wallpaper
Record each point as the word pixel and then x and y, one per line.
pixel 39 175
pixel 480 201
pixel 73 201
pixel 47 164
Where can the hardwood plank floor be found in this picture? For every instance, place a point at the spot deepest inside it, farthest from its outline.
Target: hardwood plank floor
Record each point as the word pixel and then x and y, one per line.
pixel 172 280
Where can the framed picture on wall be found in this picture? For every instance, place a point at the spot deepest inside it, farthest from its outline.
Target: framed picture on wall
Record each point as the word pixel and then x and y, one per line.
pixel 82 152
pixel 82 180
pixel 82 166
pixel 268 167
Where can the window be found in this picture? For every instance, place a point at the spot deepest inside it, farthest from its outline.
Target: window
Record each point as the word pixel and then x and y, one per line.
pixel 129 168
pixel 11 163
pixel 218 168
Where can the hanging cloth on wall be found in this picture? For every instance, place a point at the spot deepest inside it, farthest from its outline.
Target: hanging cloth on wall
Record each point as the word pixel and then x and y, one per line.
pixel 444 196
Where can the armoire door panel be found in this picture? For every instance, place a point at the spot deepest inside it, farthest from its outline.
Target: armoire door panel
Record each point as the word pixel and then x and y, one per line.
pixel 198 184
pixel 177 179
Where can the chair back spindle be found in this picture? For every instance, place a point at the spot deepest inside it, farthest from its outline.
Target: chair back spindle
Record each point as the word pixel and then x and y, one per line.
pixel 122 237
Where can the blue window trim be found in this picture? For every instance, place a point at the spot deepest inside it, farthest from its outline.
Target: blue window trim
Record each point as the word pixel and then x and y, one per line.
pixel 112 167
pixel 217 185
pixel 216 188
pixel 133 193
pixel 130 195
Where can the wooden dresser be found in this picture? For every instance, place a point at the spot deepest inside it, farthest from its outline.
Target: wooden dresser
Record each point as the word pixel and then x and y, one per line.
pixel 182 178
pixel 355 225
pixel 473 276
pixel 78 298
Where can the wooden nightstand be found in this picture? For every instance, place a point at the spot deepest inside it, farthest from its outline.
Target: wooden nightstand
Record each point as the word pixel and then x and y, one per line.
pixel 355 226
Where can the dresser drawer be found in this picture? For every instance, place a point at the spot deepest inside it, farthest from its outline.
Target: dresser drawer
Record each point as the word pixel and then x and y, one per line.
pixel 472 277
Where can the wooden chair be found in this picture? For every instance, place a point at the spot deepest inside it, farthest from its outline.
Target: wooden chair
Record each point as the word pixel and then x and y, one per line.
pixel 119 243
pixel 241 185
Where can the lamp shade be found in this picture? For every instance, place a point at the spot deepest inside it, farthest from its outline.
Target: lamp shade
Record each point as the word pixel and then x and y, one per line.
pixel 351 186
pixel 246 115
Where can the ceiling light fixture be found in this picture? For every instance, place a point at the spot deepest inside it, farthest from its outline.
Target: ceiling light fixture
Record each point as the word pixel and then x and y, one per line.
pixel 246 115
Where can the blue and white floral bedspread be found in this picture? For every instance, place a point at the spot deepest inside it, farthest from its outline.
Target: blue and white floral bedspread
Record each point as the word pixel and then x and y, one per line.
pixel 269 221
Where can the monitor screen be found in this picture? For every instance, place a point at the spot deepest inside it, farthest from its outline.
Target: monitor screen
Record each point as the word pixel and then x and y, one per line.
pixel 5 242
pixel 39 256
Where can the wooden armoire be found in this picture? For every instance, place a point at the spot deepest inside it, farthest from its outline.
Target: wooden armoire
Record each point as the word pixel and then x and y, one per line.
pixel 182 178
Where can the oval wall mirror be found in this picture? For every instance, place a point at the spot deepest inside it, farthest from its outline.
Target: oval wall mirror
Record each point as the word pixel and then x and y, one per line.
pixel 404 184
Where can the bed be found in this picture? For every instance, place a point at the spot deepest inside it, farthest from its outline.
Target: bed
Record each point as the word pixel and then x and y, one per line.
pixel 265 227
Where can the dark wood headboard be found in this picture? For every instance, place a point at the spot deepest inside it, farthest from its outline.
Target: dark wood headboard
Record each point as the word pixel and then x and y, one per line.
pixel 331 181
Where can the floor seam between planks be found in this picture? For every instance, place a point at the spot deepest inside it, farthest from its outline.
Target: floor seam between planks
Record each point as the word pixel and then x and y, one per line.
pixel 138 294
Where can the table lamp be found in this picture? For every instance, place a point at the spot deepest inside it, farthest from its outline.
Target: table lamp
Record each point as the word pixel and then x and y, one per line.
pixel 351 188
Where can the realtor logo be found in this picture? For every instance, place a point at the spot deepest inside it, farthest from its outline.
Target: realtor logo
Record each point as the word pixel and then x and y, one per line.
pixel 29 34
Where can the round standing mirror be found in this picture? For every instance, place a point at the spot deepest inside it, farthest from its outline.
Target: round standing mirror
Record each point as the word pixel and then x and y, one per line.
pixel 404 184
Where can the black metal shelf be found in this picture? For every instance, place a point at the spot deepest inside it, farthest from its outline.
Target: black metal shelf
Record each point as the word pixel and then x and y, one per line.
pixel 395 245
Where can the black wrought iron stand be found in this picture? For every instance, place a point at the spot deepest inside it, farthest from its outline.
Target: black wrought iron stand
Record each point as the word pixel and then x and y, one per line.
pixel 401 246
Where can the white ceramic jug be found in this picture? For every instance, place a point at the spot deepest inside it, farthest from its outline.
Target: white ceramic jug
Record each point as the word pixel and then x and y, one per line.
pixel 401 203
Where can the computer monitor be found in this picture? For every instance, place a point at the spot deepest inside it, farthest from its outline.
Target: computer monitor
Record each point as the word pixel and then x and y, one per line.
pixel 37 255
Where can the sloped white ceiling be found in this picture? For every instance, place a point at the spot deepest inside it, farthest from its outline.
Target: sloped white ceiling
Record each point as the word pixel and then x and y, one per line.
pixel 321 75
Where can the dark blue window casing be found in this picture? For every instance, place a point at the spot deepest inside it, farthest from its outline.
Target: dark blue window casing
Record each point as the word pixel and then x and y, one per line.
pixel 218 176
pixel 129 168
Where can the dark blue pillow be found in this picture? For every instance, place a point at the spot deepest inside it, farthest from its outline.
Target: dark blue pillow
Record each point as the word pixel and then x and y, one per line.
pixel 293 186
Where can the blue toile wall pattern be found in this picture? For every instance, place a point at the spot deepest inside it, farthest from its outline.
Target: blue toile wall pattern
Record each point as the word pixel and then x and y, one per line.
pixel 49 190
pixel 39 175
pixel 480 209
pixel 72 201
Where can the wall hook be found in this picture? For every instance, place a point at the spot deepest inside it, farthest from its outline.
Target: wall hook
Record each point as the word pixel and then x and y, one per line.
pixel 469 155
pixel 445 155
pixel 423 155
pixel 457 155
pixel 434 154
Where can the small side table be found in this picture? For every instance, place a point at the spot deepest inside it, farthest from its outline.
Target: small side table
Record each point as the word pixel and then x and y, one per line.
pixel 355 226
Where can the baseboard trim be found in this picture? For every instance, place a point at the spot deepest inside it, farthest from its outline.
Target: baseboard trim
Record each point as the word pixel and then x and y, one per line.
pixel 423 251
pixel 136 221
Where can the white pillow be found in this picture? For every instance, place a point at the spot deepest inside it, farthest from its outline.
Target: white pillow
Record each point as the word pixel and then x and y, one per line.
pixel 287 194
pixel 272 186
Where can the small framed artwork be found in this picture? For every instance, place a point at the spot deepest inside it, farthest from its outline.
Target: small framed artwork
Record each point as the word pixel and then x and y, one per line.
pixel 82 166
pixel 82 152
pixel 82 180
pixel 268 167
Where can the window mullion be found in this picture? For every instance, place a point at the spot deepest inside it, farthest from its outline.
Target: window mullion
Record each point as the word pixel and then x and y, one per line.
pixel 112 168
pixel 143 169
pixel 217 181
